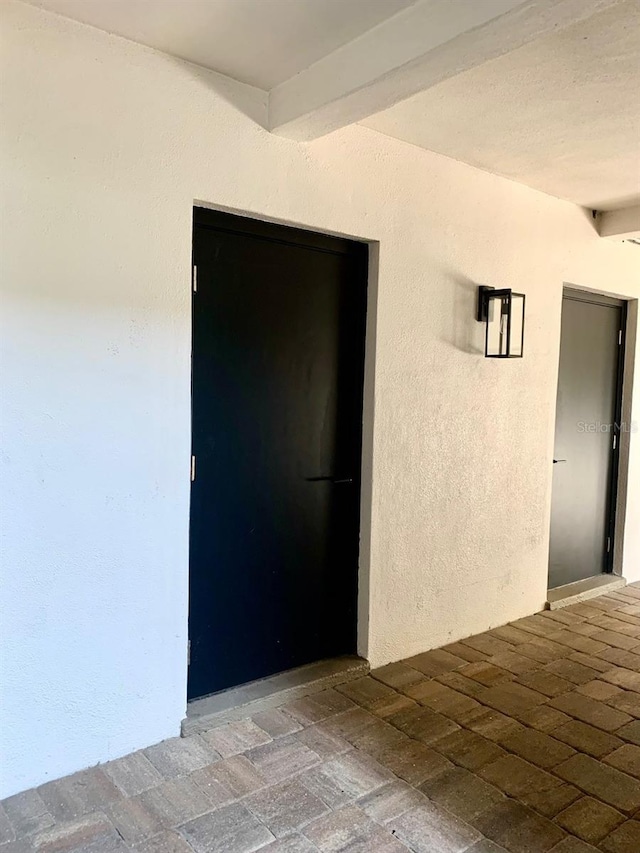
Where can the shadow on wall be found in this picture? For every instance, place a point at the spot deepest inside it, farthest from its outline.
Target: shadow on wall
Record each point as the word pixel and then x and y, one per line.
pixel 249 100
pixel 467 335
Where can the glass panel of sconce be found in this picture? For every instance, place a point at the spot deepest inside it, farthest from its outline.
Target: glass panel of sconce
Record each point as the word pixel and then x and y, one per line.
pixel 503 313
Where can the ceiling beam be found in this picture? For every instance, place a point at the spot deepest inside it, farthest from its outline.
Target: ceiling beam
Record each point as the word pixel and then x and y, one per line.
pixel 623 224
pixel 410 52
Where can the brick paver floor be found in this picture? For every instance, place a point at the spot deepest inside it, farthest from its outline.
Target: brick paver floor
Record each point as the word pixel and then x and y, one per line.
pixel 524 739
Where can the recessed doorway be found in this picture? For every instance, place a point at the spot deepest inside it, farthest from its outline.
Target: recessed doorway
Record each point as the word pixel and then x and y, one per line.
pixel 279 319
pixel 587 437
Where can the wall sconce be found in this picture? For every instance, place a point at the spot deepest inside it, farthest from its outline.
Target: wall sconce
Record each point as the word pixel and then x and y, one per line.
pixel 503 312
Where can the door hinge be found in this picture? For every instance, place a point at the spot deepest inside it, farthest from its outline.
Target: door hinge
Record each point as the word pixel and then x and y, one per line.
pixel 193 468
pixel 195 279
pixel 189 653
pixel 608 544
pixel 615 441
pixel 620 337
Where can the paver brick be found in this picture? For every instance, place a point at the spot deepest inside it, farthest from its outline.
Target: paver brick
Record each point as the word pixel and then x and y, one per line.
pixel 519 829
pixel 285 807
pixel 390 801
pixel 517 777
pixel 441 698
pixel 235 737
pixel 617 640
pixel 91 832
pixel 537 625
pixel 385 708
pixel 486 673
pixel 592 662
pixel 27 813
pixel 348 829
pixel 621 658
pixel 378 738
pixel 175 801
pixel 398 675
pixel 462 793
pixel 468 749
pixel 601 781
pixel 423 724
pixel 236 776
pixel 512 699
pixel 565 617
pixel 627 701
pixel 625 839
pixel 231 827
pixel 544 719
pixel 348 723
pixel 589 819
pixel 321 741
pixel 572 671
pixel 313 709
pixel 494 725
pixel 7 832
pixel 179 756
pixel 514 663
pixel 460 683
pixel 511 635
pixel 346 778
pixel 544 650
pixel 627 759
pixel 630 732
pixel 538 748
pixel 464 652
pixel 428 828
pixel 602 691
pixel 546 683
pixel 79 794
pixel 414 761
pixel 571 844
pixel 623 678
pixel 435 662
pixel 135 819
pixel 276 723
pixel 133 774
pixel 281 758
pixel 586 738
pixel 485 845
pixel 550 803
pixel 366 691
pixel 590 711
pixel 165 842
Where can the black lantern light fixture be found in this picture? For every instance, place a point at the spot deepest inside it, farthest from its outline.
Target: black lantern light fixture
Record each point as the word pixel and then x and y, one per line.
pixel 503 312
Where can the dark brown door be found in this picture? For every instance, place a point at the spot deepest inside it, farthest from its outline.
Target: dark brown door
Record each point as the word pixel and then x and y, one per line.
pixel 278 361
pixel 587 438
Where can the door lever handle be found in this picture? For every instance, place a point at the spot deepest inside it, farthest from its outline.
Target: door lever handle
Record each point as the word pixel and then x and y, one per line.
pixel 555 461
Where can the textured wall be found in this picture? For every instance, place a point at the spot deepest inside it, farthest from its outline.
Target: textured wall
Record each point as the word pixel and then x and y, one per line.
pixel 106 145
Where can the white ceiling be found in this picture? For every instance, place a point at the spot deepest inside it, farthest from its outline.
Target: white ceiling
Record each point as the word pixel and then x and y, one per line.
pixel 546 93
pixel 561 114
pixel 261 42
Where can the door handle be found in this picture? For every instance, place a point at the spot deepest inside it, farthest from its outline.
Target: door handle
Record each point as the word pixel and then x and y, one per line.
pixel 555 461
pixel 335 480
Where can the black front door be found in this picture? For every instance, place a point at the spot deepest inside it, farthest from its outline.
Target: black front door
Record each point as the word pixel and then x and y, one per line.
pixel 278 363
pixel 587 438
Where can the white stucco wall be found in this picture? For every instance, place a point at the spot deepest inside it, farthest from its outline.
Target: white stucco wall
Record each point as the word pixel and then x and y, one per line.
pixel 106 146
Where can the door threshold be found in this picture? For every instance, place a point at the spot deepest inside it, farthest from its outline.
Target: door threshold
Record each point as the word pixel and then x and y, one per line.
pixel 574 593
pixel 248 699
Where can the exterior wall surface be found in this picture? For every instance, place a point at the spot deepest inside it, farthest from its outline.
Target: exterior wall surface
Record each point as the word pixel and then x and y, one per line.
pixel 106 146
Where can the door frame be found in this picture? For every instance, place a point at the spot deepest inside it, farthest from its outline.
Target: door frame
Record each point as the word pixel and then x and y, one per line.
pixel 318 235
pixel 618 485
